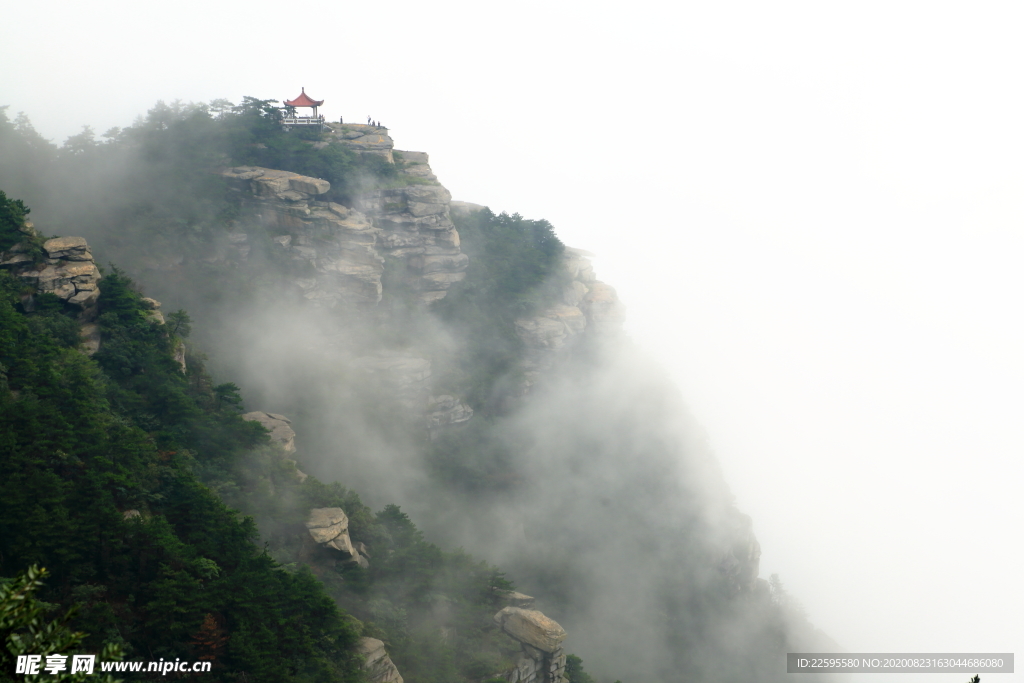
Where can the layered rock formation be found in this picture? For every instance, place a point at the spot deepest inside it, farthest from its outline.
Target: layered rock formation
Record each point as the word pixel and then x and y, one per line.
pixel 587 306
pixel 542 659
pixel 409 222
pixel 363 138
pixel 67 270
pixel 415 218
pixel 413 213
pixel 336 243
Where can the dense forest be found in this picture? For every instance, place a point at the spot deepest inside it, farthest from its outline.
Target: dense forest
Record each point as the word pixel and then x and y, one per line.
pixel 171 527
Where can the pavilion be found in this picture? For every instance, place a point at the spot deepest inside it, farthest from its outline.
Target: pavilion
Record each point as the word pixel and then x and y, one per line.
pixel 303 100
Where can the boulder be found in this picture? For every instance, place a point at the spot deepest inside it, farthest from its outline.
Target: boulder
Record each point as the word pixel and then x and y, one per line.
pixel 329 528
pixel 378 665
pixel 531 627
pixel 301 183
pixel 69 273
pixel 280 426
pixel 68 248
pixel 153 313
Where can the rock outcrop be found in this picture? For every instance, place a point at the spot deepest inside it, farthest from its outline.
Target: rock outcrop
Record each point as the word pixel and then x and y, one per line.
pixel 280 428
pixel 531 627
pixel 347 248
pixel 378 665
pixel 68 271
pixel 337 243
pixel 363 138
pixel 153 313
pixel 540 637
pixel 414 215
pixel 328 527
pixel 587 306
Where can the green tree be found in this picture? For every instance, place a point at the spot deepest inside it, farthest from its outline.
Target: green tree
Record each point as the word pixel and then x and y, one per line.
pixel 25 630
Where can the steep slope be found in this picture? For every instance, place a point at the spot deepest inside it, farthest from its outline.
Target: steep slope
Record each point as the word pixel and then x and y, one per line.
pixel 117 469
pixel 469 366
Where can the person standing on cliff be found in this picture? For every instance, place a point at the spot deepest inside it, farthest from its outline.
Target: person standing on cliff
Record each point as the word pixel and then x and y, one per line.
pixel 367 120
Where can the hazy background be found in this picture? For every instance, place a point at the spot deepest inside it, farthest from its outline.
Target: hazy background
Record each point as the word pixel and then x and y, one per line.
pixel 812 210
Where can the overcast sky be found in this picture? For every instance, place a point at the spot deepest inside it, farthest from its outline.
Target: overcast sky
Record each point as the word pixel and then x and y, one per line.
pixel 813 211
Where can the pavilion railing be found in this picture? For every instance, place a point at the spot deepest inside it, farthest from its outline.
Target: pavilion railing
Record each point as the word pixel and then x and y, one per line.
pixel 303 120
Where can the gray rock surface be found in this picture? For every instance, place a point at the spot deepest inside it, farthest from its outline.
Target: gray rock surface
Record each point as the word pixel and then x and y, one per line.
pixel 531 627
pixel 68 272
pixel 69 248
pixel 414 217
pixel 378 665
pixel 339 243
pixel 280 426
pixel 329 527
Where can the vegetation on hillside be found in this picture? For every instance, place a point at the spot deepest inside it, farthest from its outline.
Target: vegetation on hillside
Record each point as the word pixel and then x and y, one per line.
pixel 122 476
pixel 176 528
pixel 84 442
pixel 154 179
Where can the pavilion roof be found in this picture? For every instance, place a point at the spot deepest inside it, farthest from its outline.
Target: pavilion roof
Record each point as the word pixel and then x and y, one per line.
pixel 303 100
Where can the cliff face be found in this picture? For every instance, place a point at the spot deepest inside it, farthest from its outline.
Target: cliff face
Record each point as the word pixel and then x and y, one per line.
pixel 589 488
pixel 337 244
pixel 347 248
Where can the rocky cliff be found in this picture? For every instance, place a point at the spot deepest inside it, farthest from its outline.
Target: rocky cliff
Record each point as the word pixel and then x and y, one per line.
pixel 408 221
pixel 66 269
pixel 482 386
pixel 335 244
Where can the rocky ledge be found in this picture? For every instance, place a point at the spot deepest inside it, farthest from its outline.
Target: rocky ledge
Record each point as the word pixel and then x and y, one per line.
pixel 337 242
pixel 67 271
pixel 413 213
pixel 328 528
pixel 540 637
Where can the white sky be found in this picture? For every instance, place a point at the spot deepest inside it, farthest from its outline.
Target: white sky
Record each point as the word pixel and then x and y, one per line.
pixel 813 211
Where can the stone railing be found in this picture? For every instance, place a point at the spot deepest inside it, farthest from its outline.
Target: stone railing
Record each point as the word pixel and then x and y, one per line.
pixel 303 120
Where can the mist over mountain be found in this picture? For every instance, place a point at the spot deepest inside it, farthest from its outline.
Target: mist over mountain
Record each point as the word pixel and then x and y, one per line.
pixel 462 373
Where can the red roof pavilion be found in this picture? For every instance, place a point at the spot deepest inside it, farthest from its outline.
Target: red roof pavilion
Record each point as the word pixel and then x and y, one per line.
pixel 303 100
